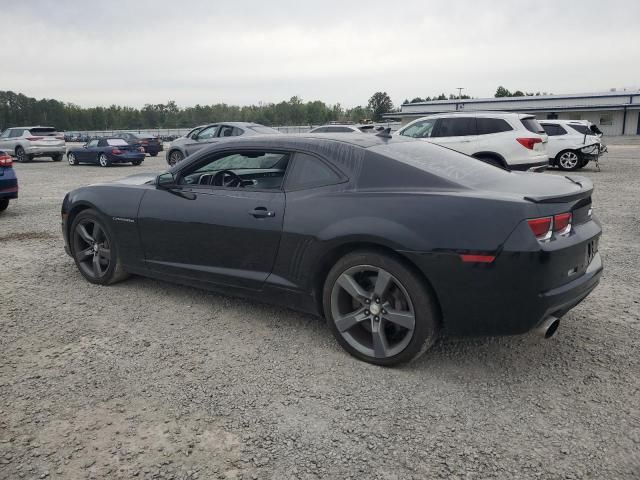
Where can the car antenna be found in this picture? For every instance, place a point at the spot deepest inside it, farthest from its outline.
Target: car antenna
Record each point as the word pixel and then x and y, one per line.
pixel 384 133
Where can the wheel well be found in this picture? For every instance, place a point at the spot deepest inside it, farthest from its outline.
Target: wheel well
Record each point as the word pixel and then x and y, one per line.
pixel 72 215
pixel 330 259
pixel 493 155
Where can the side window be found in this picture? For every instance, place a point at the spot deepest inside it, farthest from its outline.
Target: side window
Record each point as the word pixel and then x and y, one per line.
pixel 553 130
pixel 339 130
pixel 320 130
pixel 422 129
pixel 5 134
pixel 237 132
pixel 309 171
pixel 102 142
pixel 15 133
pixel 194 132
pixel 93 143
pixel 486 126
pixel 207 133
pixel 251 170
pixel 456 127
pixel 225 131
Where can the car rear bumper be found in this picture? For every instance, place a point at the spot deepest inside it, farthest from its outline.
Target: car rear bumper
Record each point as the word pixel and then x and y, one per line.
pixel 46 151
pixel 153 149
pixel 537 166
pixel 127 158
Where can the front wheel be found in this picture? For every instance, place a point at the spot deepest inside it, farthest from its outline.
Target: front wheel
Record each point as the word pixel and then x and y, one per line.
pixel 21 155
pixel 136 162
pixel 174 157
pixel 155 154
pixel 569 160
pixel 57 158
pixel 4 203
pixel 94 249
pixel 103 160
pixel 71 157
pixel 378 309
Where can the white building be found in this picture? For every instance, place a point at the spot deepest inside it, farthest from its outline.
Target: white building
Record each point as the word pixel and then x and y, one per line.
pixel 615 113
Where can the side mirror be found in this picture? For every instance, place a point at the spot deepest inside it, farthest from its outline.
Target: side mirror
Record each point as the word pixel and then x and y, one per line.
pixel 84 146
pixel 165 180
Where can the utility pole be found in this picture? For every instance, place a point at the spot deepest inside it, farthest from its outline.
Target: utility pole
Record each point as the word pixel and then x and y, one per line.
pixel 459 92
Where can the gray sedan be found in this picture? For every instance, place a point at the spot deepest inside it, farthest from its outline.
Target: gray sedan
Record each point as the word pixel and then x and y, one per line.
pixel 204 135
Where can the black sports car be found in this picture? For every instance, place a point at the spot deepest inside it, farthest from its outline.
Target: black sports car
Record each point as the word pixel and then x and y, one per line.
pixel 393 240
pixel 105 152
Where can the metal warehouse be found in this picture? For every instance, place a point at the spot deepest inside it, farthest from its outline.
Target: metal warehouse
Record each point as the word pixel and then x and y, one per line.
pixel 615 112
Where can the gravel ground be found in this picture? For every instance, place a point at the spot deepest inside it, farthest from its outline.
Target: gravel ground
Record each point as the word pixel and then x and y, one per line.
pixel 150 380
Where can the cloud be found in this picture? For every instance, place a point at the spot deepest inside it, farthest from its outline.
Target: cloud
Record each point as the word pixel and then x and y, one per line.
pixel 125 52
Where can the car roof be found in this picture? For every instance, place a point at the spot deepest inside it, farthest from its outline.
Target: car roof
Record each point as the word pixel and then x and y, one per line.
pixel 485 114
pixel 565 122
pixel 33 126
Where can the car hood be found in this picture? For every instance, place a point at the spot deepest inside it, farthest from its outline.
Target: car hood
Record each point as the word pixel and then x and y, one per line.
pixel 541 187
pixel 138 179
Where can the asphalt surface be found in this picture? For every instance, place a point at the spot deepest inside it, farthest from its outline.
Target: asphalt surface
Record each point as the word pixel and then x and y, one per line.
pixel 146 379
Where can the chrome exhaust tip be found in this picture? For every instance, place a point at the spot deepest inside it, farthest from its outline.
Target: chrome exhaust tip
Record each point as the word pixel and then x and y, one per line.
pixel 549 326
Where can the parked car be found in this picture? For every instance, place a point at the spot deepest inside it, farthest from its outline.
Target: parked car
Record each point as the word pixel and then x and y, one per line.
pixel 27 143
pixel 344 128
pixel 572 144
pixel 206 134
pixel 392 239
pixel 511 141
pixel 105 152
pixel 8 180
pixel 151 145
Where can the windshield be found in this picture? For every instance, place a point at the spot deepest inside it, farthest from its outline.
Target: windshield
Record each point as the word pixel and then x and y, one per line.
pixel 531 124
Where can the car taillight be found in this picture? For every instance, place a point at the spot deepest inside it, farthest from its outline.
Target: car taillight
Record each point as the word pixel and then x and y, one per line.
pixel 529 142
pixel 33 139
pixel 5 161
pixel 140 149
pixel 542 227
pixel 117 151
pixel 562 223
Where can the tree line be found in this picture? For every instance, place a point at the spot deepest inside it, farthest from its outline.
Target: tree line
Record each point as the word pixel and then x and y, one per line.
pixel 17 109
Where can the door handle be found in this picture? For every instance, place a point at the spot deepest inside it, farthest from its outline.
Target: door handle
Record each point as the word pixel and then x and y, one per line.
pixel 261 212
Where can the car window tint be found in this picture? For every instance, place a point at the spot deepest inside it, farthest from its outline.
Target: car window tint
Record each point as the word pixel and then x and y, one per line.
pixel 225 131
pixel 252 170
pixel 580 128
pixel 309 171
pixel 93 143
pixel 263 129
pixel 339 130
pixel 486 126
pixel 319 130
pixel 456 127
pixel 117 142
pixel 531 124
pixel 15 133
pixel 553 130
pixel 421 129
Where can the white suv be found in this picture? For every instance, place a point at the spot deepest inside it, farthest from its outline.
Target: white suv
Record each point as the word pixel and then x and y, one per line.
pixel 512 141
pixel 27 143
pixel 571 143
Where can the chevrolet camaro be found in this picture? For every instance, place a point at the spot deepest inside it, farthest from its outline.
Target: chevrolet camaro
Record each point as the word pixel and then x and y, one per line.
pixel 393 240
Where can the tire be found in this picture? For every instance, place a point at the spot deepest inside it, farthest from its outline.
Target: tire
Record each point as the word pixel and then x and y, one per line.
pixel 57 158
pixel 71 158
pixel 175 156
pixel 4 203
pixel 154 154
pixel 569 160
pixel 136 162
pixel 370 335
pixel 94 249
pixel 21 155
pixel 103 160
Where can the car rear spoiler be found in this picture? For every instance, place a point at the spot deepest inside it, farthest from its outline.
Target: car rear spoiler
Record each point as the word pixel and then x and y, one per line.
pixel 586 189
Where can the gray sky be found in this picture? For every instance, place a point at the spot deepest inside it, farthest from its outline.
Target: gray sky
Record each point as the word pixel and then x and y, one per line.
pixel 243 52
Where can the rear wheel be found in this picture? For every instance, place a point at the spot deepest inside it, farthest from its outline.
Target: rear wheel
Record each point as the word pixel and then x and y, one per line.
pixel 491 161
pixel 136 162
pixel 71 158
pixel 569 160
pixel 175 156
pixel 103 160
pixel 155 154
pixel 379 310
pixel 4 203
pixel 21 155
pixel 94 249
pixel 57 158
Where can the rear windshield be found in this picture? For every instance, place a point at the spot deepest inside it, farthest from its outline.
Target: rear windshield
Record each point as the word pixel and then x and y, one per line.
pixel 531 124
pixel 262 129
pixel 442 162
pixel 583 129
pixel 43 131
pixel 116 142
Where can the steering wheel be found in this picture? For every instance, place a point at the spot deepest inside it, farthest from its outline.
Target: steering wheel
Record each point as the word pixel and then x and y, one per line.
pixel 227 178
